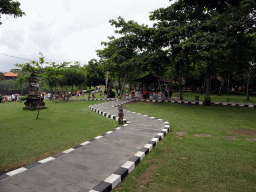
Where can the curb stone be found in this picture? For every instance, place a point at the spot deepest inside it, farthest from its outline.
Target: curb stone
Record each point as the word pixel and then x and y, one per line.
pixel 181 102
pixel 118 176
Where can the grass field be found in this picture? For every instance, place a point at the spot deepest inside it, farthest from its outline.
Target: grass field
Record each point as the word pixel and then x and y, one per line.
pixel 214 97
pixel 190 163
pixel 25 139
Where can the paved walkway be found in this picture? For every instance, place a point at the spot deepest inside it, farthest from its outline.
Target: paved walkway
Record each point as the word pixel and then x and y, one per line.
pixel 95 165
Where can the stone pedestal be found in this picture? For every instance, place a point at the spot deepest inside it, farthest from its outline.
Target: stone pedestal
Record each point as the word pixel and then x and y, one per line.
pixel 33 102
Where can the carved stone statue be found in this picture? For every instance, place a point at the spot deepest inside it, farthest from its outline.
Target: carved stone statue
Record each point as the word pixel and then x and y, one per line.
pixel 33 83
pixel 34 99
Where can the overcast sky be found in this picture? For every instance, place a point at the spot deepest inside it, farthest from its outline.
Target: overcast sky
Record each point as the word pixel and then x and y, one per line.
pixel 66 30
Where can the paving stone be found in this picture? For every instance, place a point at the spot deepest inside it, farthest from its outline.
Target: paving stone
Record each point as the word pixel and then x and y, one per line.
pixel 181 133
pixel 251 139
pixel 229 137
pixel 203 135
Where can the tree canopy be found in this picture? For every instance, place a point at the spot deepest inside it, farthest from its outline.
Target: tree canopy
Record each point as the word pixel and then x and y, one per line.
pixel 9 7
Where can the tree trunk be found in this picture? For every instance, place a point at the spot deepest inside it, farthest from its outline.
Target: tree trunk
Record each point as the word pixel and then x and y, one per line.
pixel 180 92
pixel 106 80
pixel 221 85
pixel 119 82
pixel 210 80
pixel 21 93
pixel 122 86
pixel 247 94
pixel 89 93
pixel 204 85
pixel 207 99
pixel 160 88
pixel 228 83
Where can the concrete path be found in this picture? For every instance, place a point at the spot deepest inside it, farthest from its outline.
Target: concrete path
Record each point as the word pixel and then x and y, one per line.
pixel 95 165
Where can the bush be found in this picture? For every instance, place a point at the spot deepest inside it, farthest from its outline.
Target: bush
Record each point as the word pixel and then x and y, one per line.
pixel 193 87
pixel 174 86
pixel 24 97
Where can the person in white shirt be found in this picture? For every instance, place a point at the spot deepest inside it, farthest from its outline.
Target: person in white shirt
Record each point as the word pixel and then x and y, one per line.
pixel 13 97
pixel 48 95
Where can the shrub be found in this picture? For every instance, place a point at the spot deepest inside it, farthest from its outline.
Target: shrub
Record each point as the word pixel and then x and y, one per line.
pixel 24 97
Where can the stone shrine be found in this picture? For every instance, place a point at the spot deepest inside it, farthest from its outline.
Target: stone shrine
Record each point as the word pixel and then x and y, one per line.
pixel 34 99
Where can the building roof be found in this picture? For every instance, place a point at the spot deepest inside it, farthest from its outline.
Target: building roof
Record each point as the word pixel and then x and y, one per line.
pixel 10 74
pixel 152 78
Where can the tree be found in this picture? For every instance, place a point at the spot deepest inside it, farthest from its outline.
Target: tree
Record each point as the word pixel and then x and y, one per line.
pixel 204 31
pixel 52 77
pixel 23 79
pixel 95 74
pixel 9 7
pixel 120 53
pixel 76 65
pixel 73 77
pixel 135 51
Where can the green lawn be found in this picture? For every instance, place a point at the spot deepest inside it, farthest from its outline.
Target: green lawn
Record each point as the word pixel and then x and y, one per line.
pixel 214 97
pixel 190 163
pixel 63 125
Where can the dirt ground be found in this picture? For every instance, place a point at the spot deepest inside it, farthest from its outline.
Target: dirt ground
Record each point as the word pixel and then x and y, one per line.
pixel 247 132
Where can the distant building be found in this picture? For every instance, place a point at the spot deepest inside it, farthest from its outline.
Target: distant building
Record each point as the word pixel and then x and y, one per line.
pixel 10 76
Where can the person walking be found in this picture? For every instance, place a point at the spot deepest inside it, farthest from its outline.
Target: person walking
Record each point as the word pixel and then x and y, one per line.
pixel 166 93
pixel 144 94
pixel 5 98
pixel 13 97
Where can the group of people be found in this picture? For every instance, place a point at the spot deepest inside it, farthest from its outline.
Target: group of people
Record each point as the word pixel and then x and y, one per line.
pixel 14 97
pixel 64 95
pixel 146 94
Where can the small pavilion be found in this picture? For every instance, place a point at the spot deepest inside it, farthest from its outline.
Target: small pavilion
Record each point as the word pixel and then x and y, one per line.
pixel 152 79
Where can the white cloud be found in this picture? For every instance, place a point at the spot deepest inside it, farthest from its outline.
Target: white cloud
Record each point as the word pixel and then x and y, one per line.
pixel 3 48
pixel 66 30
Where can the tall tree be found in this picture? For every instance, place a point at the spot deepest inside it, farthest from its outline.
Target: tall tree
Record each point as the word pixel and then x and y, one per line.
pixel 23 79
pixel 95 74
pixel 73 77
pixel 205 31
pixel 140 52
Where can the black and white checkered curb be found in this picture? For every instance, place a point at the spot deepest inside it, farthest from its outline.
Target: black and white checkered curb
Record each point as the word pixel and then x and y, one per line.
pixel 200 103
pixel 105 114
pixel 109 99
pixel 183 102
pixel 118 176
